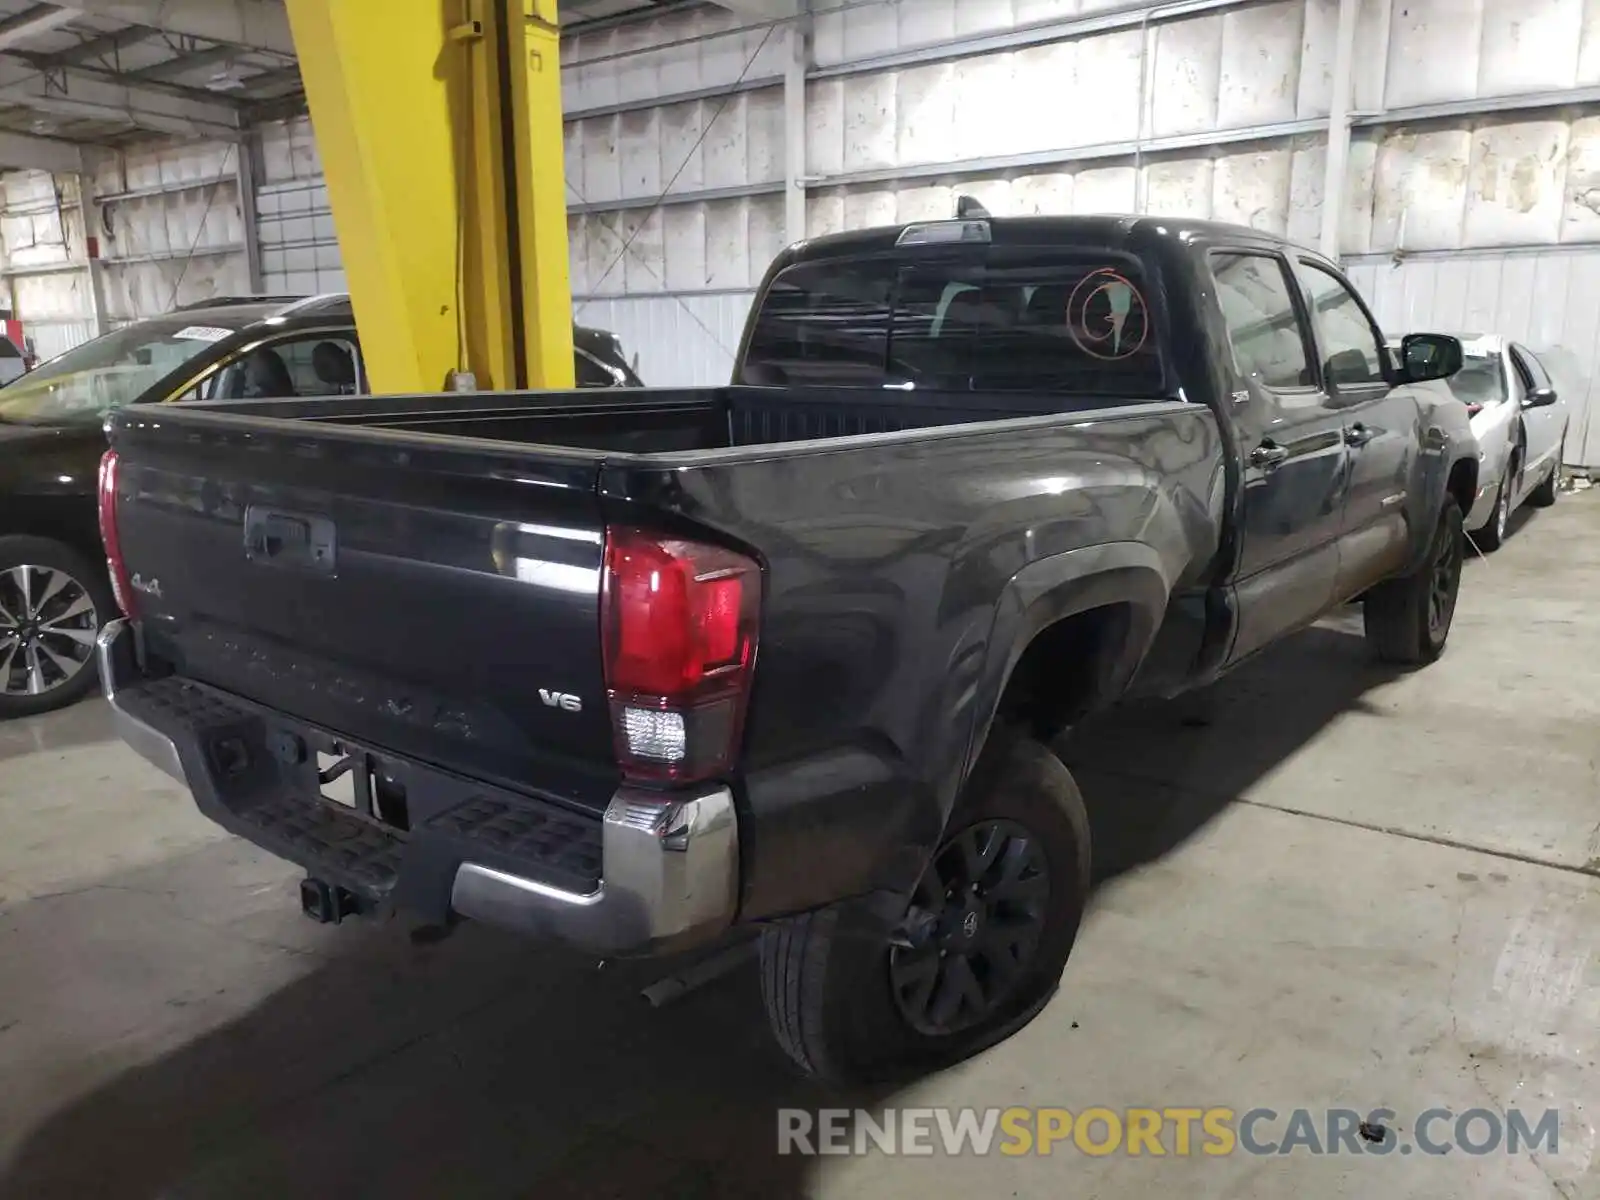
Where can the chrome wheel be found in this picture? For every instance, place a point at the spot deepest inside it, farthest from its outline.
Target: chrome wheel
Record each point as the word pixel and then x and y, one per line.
pixel 1444 583
pixel 1502 508
pixel 972 928
pixel 48 624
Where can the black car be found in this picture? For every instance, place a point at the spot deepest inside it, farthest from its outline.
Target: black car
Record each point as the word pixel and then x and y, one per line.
pixel 53 589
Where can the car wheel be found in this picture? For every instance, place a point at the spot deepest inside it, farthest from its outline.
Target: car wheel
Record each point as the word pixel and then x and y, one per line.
pixel 977 952
pixel 1489 538
pixel 1408 619
pixel 52 604
pixel 1545 494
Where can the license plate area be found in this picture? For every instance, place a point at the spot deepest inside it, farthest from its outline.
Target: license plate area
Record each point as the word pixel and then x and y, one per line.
pixel 352 778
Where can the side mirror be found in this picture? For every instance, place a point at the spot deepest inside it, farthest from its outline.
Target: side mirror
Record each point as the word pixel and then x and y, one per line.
pixel 1539 398
pixel 1425 356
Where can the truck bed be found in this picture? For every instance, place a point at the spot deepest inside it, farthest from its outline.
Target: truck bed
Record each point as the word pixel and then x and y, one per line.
pixel 667 420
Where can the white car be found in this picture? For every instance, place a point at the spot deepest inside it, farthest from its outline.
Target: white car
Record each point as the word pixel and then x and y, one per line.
pixel 1521 425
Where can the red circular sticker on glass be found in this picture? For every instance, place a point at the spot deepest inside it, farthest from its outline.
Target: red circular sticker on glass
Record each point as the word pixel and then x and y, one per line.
pixel 1106 315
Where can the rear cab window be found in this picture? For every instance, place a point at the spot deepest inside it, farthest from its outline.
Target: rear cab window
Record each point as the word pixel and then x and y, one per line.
pixel 1000 319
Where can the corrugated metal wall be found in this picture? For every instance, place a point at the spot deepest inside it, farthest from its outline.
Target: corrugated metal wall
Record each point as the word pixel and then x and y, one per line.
pixel 299 251
pixel 678 155
pixel 39 228
pixel 683 340
pixel 1548 299
pixel 167 219
pixel 1074 106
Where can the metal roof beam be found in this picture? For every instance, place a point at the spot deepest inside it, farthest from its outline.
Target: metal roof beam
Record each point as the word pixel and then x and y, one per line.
pixel 28 152
pixel 69 92
pixel 184 63
pixel 105 46
pixel 266 80
pixel 762 10
pixel 41 18
pixel 251 24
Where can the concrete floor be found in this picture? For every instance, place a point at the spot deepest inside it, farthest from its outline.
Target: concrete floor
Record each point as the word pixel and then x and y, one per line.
pixel 1326 885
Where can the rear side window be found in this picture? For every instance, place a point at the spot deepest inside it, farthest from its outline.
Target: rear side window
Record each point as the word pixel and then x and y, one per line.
pixel 1353 357
pixel 1268 341
pixel 1529 367
pixel 1001 322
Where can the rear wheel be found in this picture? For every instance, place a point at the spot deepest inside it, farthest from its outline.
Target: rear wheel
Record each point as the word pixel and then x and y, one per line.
pixel 978 950
pixel 1408 619
pixel 52 602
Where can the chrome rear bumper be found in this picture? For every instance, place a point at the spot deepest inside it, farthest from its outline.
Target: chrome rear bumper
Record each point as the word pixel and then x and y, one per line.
pixel 669 874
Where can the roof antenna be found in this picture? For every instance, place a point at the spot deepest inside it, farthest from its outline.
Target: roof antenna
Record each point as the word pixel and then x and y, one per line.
pixel 968 208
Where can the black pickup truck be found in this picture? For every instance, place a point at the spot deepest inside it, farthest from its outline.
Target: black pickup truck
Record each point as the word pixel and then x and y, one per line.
pixel 632 668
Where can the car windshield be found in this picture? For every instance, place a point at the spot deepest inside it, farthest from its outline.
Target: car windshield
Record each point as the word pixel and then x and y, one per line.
pixel 1480 380
pixel 1002 320
pixel 85 383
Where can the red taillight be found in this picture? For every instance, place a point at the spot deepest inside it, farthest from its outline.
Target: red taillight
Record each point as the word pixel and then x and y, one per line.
pixel 679 629
pixel 120 586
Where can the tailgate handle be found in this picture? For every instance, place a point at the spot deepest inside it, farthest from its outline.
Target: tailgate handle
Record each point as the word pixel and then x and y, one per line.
pixel 285 539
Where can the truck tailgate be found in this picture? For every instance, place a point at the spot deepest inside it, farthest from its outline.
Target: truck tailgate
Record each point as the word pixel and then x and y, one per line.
pixel 436 597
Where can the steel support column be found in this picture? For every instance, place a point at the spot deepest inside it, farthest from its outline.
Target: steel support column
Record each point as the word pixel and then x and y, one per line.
pixel 794 130
pixel 439 124
pixel 88 219
pixel 1333 189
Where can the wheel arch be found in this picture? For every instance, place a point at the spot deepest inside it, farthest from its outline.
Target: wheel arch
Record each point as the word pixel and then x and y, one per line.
pixel 1097 608
pixel 69 520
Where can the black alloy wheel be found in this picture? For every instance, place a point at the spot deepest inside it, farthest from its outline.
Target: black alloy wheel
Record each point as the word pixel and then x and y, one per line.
pixel 972 928
pixel 1444 585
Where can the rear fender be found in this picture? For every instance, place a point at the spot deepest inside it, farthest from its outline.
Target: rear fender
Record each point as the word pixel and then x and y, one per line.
pixel 1061 586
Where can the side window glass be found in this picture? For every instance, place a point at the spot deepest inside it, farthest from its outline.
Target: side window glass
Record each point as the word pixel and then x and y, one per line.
pixel 314 364
pixel 320 364
pixel 591 374
pixel 1352 357
pixel 1268 342
pixel 1529 368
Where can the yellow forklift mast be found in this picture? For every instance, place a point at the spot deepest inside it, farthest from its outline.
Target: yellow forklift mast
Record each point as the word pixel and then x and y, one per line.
pixel 439 127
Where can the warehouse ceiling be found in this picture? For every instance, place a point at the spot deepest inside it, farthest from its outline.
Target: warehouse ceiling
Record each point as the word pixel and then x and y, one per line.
pixel 106 72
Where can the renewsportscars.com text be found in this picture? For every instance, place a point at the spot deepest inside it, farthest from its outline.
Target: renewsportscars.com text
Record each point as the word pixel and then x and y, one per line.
pixel 1153 1132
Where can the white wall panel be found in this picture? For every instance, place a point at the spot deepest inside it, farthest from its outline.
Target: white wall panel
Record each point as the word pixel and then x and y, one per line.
pixel 294 220
pixel 680 341
pixel 52 337
pixel 1498 182
pixel 652 68
pixel 634 155
pixel 1549 300
pixel 717 244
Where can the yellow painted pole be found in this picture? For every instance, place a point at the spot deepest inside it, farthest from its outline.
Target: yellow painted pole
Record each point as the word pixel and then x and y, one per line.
pixel 439 126
pixel 541 188
pixel 376 80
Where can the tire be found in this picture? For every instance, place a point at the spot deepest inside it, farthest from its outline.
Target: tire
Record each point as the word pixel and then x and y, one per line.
pixel 1492 535
pixel 1404 624
pixel 1545 494
pixel 834 980
pixel 59 637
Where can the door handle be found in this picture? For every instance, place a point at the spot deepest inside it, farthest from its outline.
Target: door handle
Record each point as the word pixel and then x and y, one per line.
pixel 1268 455
pixel 1357 435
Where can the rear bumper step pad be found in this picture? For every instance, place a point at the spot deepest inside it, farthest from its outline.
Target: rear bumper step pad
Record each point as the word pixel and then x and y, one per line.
pixel 657 871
